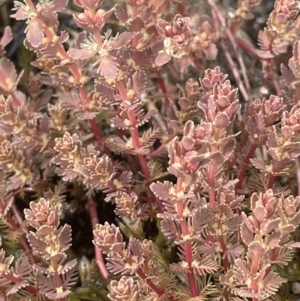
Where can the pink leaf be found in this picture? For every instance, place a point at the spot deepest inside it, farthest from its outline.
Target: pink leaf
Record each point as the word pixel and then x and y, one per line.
pixel 108 67
pixel 7 36
pixel 139 82
pixel 264 54
pixel 221 120
pixel 7 67
pixel 34 33
pixel 123 39
pixel 160 26
pixel 137 24
pixel 121 14
pixel 211 52
pixel 58 5
pixel 81 54
pixel 162 59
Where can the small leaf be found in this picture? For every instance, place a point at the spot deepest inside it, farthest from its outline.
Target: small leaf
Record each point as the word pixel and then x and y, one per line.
pixel 35 33
pixel 81 54
pixel 162 59
pixel 221 120
pixel 121 14
pixel 108 67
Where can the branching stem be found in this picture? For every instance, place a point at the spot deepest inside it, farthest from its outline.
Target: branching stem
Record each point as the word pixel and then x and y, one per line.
pixel 136 139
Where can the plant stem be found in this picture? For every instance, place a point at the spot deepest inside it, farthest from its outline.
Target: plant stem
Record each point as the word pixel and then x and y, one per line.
pixel 74 70
pixel 276 167
pixel 187 245
pixel 21 239
pixel 224 249
pixel 211 183
pixel 136 139
pixel 157 290
pixel 245 166
pixel 231 38
pixel 98 253
pixel 163 88
pixel 235 71
pixel 31 289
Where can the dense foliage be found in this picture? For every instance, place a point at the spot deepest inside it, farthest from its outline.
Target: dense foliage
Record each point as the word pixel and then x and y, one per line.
pixel 165 133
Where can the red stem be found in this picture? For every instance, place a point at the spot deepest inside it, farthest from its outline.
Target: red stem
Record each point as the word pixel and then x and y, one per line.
pixel 211 183
pixel 235 71
pixel 163 88
pixel 136 139
pixel 98 253
pixel 231 38
pixel 157 290
pixel 187 245
pixel 31 289
pixel 247 47
pixel 73 68
pixel 224 249
pixel 245 166
pixel 271 182
pixel 22 239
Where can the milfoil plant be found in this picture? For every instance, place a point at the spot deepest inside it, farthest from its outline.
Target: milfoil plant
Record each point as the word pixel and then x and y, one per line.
pixel 167 115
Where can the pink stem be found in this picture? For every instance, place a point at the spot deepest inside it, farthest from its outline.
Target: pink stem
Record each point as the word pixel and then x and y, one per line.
pixel 136 139
pixel 22 240
pixel 187 245
pixel 232 40
pixel 276 166
pixel 31 289
pixel 235 71
pixel 211 183
pixel 163 88
pixel 247 47
pixel 245 166
pixel 224 249
pixel 73 68
pixel 157 290
pixel 98 253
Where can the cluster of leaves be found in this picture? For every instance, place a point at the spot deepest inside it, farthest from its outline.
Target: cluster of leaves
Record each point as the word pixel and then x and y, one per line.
pixel 136 109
